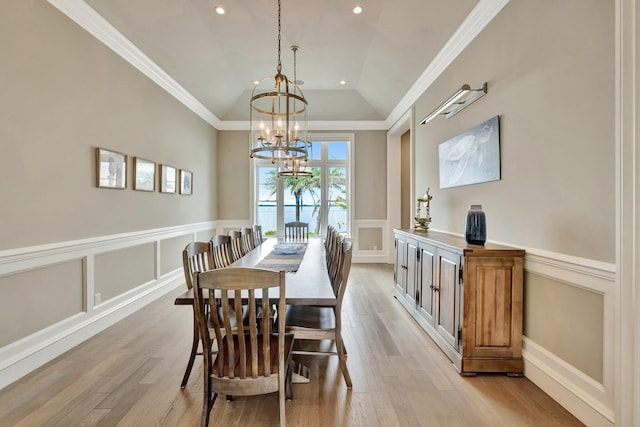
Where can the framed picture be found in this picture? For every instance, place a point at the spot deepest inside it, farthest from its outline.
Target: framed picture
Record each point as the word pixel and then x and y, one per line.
pixel 144 174
pixel 168 177
pixel 471 157
pixel 186 181
pixel 111 169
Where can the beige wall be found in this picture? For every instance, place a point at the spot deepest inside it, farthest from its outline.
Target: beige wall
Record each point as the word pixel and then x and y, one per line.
pixel 550 72
pixel 369 187
pixel 64 93
pixel 233 178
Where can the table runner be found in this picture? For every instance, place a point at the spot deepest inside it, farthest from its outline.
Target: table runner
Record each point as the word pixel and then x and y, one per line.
pixel 284 257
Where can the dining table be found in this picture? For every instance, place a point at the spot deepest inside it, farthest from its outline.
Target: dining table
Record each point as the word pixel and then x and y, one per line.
pixel 309 285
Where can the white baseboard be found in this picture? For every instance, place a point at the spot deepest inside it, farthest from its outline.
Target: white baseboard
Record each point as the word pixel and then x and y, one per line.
pixel 24 356
pixel 576 392
pixel 375 257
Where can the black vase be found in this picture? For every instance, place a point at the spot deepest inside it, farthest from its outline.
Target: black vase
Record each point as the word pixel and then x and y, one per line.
pixel 476 226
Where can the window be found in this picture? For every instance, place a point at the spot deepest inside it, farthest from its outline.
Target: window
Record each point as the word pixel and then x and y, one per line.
pixel 320 199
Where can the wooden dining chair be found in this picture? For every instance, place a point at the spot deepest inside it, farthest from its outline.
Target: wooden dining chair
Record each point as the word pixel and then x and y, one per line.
pixel 296 231
pixel 196 257
pixel 328 237
pixel 257 235
pixel 334 260
pixel 221 250
pixel 237 248
pixel 249 360
pixel 248 241
pixel 319 323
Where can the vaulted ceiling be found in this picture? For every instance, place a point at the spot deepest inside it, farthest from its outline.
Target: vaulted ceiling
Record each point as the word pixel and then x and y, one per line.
pixel 383 54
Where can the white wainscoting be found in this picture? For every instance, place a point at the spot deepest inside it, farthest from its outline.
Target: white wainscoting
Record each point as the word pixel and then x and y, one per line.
pixel 380 254
pixel 23 356
pixel 587 399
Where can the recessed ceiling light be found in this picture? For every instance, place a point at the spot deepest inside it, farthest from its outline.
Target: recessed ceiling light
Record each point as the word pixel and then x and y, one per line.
pixel 220 10
pixel 357 9
pixel 255 82
pixel 343 82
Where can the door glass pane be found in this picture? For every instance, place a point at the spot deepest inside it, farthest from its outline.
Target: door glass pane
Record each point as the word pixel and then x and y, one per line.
pixel 267 200
pixel 337 203
pixel 302 199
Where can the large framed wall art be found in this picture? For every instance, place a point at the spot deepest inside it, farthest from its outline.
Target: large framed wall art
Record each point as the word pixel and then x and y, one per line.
pixel 471 157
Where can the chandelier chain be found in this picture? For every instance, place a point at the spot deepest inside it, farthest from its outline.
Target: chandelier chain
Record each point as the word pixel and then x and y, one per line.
pixel 279 29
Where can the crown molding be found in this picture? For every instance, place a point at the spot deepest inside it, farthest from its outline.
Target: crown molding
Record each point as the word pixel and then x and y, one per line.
pixel 480 16
pixel 85 16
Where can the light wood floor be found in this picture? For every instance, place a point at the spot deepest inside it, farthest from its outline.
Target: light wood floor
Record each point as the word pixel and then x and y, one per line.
pixel 129 375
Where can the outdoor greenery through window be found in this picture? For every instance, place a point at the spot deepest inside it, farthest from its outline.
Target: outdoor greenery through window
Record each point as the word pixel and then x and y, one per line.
pixel 319 199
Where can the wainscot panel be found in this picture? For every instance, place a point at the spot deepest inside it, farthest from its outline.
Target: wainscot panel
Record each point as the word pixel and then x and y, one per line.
pixel 53 292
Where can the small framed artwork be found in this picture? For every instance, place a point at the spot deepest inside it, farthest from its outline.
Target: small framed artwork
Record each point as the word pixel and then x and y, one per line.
pixel 168 177
pixel 186 181
pixel 144 174
pixel 111 169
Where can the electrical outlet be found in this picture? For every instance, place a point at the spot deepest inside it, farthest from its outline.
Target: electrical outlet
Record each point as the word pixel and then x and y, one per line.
pixel 96 299
pixel 375 248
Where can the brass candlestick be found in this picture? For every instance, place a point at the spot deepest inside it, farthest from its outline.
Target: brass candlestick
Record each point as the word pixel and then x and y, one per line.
pixel 423 214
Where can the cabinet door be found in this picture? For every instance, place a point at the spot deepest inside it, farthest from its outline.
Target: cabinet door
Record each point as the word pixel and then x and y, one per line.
pixel 400 272
pixel 447 319
pixel 493 307
pixel 412 271
pixel 427 281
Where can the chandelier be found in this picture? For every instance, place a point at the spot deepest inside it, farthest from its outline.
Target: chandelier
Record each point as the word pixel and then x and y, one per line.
pixel 278 117
pixel 296 168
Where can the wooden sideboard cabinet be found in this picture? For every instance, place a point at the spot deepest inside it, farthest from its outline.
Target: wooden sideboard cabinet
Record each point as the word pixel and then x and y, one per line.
pixel 468 298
